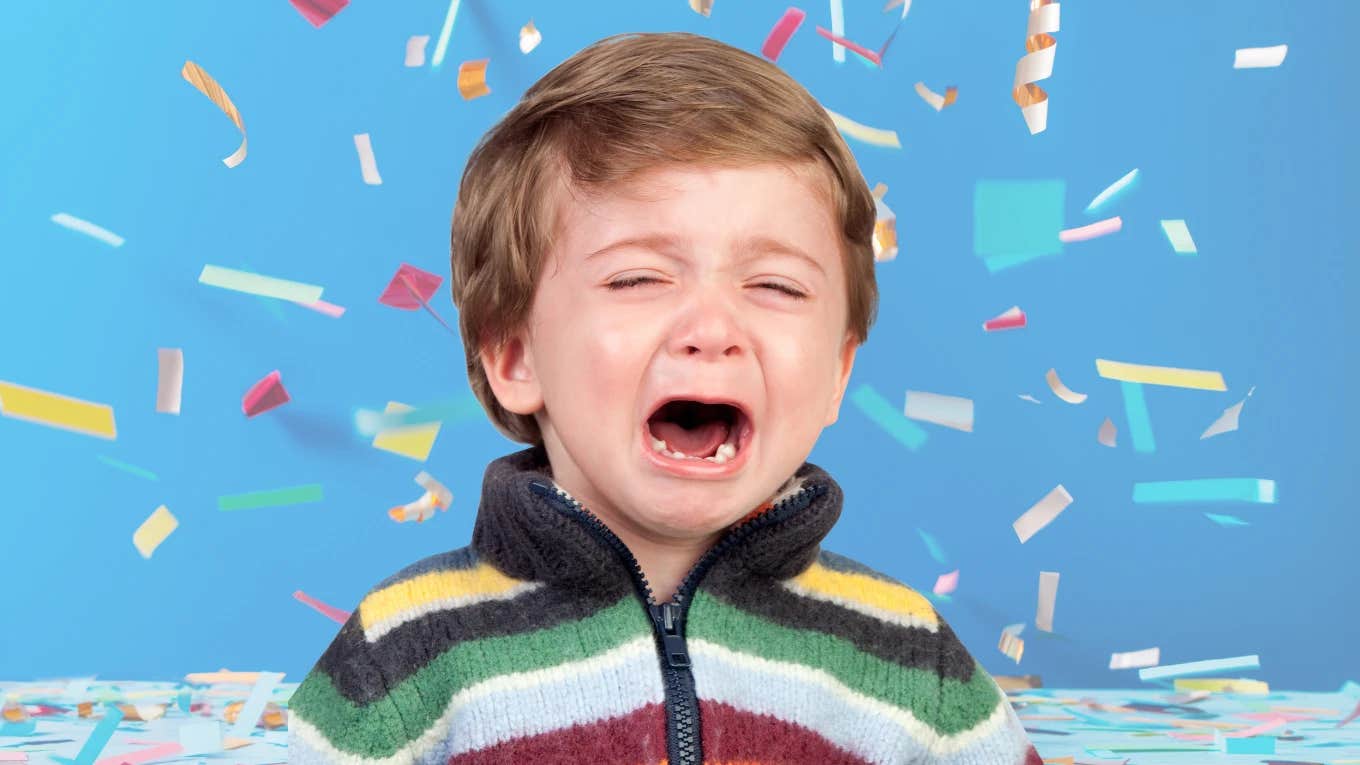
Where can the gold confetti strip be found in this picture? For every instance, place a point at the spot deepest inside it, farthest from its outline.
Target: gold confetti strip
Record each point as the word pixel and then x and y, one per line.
pixel 1037 64
pixel 206 85
pixel 472 79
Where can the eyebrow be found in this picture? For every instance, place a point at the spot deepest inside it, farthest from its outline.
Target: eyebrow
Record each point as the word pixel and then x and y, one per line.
pixel 666 244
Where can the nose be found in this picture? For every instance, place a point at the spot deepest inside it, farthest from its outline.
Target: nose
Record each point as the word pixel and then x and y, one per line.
pixel 709 325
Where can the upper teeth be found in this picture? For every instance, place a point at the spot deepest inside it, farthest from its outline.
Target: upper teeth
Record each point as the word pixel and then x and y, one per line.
pixel 725 452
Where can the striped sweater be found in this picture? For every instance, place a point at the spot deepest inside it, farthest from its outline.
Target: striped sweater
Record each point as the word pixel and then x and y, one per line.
pixel 541 643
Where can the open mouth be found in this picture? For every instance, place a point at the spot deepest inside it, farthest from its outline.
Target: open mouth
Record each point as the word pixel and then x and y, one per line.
pixel 685 430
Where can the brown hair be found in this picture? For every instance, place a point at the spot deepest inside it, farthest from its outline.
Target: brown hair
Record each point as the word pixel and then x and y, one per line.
pixel 618 107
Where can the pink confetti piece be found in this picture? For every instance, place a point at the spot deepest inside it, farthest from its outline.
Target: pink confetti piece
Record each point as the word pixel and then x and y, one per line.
pixel 264 395
pixel 321 306
pixel 946 583
pixel 331 612
pixel 410 288
pixel 318 12
pixel 780 34
pixel 1013 318
pixel 166 750
pixel 1091 231
pixel 869 55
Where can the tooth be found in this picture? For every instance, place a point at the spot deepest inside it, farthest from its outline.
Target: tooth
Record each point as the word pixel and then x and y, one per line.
pixel 658 444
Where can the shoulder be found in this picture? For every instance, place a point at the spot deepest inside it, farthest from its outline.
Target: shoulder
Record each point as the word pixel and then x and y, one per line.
pixel 850 584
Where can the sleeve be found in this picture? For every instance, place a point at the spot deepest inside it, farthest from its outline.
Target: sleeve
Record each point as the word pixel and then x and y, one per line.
pixel 976 723
pixel 343 710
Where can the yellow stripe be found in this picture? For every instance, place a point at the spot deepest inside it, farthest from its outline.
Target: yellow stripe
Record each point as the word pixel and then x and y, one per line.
pixel 421 590
pixel 891 598
pixel 1177 378
pixel 56 410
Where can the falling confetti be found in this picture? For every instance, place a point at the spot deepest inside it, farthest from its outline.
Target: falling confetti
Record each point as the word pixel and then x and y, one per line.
pixel 1037 64
pixel 196 76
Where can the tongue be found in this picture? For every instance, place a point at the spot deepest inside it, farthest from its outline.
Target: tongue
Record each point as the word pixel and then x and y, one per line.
pixel 700 441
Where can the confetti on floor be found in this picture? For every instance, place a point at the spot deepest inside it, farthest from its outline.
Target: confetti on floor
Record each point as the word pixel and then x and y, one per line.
pixel 87 228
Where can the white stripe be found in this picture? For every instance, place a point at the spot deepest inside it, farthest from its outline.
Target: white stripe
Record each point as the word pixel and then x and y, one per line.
pixel 375 632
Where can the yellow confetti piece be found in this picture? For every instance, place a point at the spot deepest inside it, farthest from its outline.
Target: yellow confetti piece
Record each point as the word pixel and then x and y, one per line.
pixel 1199 379
pixel 222 676
pixel 1223 685
pixel 194 75
pixel 472 79
pixel 414 441
pixel 153 531
pixel 57 411
pixel 870 135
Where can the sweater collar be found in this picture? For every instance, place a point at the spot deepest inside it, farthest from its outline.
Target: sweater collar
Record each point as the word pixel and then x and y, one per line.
pixel 533 533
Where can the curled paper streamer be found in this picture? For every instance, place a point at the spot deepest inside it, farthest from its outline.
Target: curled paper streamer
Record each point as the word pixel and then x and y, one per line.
pixel 1062 391
pixel 937 102
pixel 1037 64
pixel 194 75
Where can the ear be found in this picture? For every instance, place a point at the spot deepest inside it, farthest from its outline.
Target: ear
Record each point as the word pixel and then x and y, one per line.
pixel 847 361
pixel 510 371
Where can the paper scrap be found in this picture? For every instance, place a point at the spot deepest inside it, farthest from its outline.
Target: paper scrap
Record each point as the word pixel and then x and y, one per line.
pixel 1240 685
pixel 318 12
pixel 1208 666
pixel 415 49
pixel 409 288
pixel 1148 657
pixel 937 102
pixel 885 231
pixel 256 284
pixel 1036 65
pixel 200 736
pixel 530 37
pixel 1170 376
pixel 368 165
pixel 1062 391
pixel 1042 513
pixel 445 32
pixel 1353 715
pixel 369 423
pixel 170 379
pixel 330 612
pixel 868 55
pixel 87 228
pixel 414 441
pixel 222 677
pixel 950 411
pixel 877 408
pixel 1259 58
pixel 1113 191
pixel 291 495
pixel 932 546
pixel 781 32
pixel 869 135
pixel 1029 398
pixel 701 7
pixel 155 753
pixel 1011 645
pixel 946 583
pixel 1015 222
pixel 1091 230
pixel 1260 490
pixel 57 411
pixel 1106 436
pixel 1136 412
pixel 1226 422
pixel 99 737
pixel 196 76
pixel 1048 595
pixel 1226 520
pixel 1011 318
pixel 1179 235
pixel 472 79
pixel 436 496
pixel 321 306
pixel 264 395
pixel 154 530
pixel 259 696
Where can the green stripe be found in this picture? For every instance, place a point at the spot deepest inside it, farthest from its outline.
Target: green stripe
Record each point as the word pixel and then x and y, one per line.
pixel 424 696
pixel 950 707
pixel 292 495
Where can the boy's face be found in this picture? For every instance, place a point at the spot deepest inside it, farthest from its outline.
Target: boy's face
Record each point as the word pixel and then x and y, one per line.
pixel 594 363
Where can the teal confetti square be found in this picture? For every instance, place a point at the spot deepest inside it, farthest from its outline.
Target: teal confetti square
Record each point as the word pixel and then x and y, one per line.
pixel 1017 221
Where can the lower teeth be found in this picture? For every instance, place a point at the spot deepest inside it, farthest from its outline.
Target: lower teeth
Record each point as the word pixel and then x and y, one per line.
pixel 725 452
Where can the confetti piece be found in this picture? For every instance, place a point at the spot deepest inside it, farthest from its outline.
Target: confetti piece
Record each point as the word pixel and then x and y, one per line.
pixel 1169 376
pixel 1219 685
pixel 885 232
pixel 412 441
pixel 444 33
pixel 1012 318
pixel 1029 398
pixel 1226 520
pixel 472 79
pixel 264 395
pixel 196 76
pixel 1048 595
pixel 321 306
pixel 256 284
pixel 223 677
pixel 87 228
pixel 1042 513
pixel 946 583
pixel 161 752
pixel 259 696
pixel 1136 411
pixel 869 135
pixel 1205 667
pixel 200 736
pixel 1226 422
pixel 530 37
pixel 906 6
pixel 410 288
pixel 368 165
pixel 1106 436
pixel 57 411
pixel 950 411
pixel 291 495
pixel 436 496
pixel 415 49
pixel 1259 58
pixel 123 466
pixel 369 423
pixel 876 408
pixel 781 32
pixel 1015 222
pixel 1148 657
pixel 1062 391
pixel 318 12
pixel 99 737
pixel 937 102
pixel 1091 230
pixel 154 530
pixel 933 546
pixel 1011 645
pixel 1113 191
pixel 837 29
pixel 1179 236
pixel 170 379
pixel 868 55
pixel 330 612
pixel 1036 65
pixel 1206 490
pixel 1353 715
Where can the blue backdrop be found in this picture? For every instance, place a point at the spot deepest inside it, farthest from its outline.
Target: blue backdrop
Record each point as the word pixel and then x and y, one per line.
pixel 99 124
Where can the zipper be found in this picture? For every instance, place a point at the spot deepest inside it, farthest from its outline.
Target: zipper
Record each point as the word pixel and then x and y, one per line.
pixel 683 742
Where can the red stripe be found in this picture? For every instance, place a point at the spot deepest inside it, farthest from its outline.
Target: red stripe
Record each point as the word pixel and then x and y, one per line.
pixel 733 735
pixel 637 737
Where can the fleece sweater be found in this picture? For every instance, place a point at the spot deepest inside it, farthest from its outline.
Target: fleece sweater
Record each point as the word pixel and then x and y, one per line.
pixel 541 642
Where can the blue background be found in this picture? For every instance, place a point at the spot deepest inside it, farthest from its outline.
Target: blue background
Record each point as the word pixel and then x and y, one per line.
pixel 98 123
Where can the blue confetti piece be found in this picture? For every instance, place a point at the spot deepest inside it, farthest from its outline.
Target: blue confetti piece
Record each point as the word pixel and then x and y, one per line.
pixel 933 546
pixel 255 703
pixel 99 738
pixel 1135 409
pixel 1206 490
pixel 1017 221
pixel 1226 520
pixel 877 408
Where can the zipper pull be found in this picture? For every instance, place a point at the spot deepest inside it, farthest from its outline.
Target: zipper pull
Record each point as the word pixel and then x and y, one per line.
pixel 668 621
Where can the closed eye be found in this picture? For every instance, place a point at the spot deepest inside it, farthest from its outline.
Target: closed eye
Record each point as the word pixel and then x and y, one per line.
pixel 631 281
